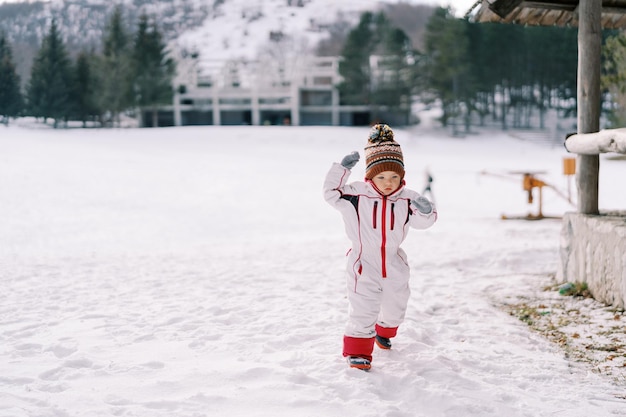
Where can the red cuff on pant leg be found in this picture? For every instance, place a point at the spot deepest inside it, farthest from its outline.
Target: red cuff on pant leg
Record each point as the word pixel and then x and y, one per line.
pixel 387 332
pixel 357 346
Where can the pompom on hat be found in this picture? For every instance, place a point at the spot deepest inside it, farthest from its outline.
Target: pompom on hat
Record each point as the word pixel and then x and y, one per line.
pixel 382 152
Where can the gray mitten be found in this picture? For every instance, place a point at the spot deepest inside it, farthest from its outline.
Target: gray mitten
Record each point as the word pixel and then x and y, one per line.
pixel 422 205
pixel 349 161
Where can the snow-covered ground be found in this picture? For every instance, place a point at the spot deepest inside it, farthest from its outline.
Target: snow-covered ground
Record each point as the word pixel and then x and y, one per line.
pixel 197 271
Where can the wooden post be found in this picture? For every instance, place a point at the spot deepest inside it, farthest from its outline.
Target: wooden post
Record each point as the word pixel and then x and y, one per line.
pixel 589 53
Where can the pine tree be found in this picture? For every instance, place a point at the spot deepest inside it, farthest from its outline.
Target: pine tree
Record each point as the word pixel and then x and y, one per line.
pixel 448 70
pixel 84 97
pixel 115 70
pixel 479 75
pixel 11 100
pixel 153 70
pixel 614 78
pixel 377 67
pixel 394 84
pixel 50 81
pixel 355 66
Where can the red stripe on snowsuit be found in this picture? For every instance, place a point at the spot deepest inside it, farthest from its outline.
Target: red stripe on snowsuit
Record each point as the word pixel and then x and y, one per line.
pixel 357 346
pixel 383 250
pixel 387 332
pixel 383 247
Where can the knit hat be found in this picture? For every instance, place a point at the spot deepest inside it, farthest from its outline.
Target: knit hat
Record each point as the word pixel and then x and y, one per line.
pixel 382 153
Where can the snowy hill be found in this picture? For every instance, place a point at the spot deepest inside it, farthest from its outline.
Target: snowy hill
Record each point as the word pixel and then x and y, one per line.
pixel 241 29
pixel 218 29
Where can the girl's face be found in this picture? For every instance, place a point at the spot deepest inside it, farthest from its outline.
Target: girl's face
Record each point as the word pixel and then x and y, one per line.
pixel 387 182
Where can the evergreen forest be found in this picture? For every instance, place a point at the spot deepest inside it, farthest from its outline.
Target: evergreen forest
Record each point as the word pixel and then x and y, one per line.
pixel 508 75
pixel 132 72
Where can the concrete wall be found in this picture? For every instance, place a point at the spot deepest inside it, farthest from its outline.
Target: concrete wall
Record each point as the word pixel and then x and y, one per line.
pixel 593 250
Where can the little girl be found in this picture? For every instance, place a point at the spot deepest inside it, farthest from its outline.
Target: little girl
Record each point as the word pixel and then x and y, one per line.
pixel 377 214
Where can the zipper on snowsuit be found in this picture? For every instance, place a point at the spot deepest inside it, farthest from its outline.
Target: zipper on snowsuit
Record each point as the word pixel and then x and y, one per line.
pixel 383 252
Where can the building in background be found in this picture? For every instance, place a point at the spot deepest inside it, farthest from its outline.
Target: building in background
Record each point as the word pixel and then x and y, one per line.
pixel 300 92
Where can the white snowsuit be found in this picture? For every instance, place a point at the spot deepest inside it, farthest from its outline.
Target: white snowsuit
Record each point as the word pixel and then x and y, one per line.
pixel 378 271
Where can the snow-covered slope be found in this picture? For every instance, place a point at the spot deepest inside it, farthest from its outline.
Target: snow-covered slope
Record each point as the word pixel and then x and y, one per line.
pixel 242 29
pixel 218 28
pixel 214 30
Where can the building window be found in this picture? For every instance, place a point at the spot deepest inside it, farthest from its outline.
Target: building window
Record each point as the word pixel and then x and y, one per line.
pixel 235 101
pixel 275 100
pixel 322 80
pixel 205 81
pixel 316 98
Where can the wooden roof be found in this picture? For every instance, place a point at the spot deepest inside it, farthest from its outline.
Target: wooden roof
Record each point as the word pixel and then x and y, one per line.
pixel 546 12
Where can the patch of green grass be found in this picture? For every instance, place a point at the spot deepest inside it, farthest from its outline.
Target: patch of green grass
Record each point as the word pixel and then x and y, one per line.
pixel 574 289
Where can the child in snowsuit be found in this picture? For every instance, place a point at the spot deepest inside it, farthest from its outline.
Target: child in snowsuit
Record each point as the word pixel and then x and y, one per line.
pixel 377 214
